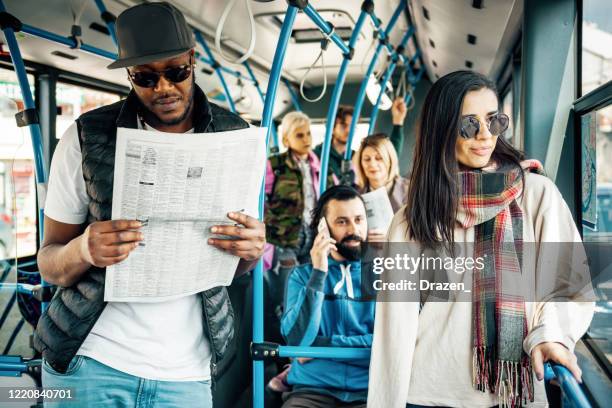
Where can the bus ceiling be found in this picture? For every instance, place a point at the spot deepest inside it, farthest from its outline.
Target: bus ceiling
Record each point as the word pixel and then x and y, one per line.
pixel 486 38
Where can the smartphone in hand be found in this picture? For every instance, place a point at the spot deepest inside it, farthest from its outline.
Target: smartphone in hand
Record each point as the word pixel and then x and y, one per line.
pixel 322 227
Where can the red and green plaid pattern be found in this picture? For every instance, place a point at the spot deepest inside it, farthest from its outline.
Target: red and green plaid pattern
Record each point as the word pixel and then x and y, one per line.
pixel 488 203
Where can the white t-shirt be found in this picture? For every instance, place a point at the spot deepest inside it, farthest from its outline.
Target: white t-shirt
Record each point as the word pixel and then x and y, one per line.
pixel 159 341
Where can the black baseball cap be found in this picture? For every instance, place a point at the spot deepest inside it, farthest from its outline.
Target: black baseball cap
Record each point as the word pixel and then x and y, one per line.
pixel 151 32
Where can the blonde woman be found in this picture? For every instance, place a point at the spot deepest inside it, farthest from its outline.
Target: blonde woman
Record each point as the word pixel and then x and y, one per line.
pixel 377 166
pixel 292 189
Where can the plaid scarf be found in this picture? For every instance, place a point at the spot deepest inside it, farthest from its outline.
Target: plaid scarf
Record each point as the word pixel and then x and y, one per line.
pixel 488 203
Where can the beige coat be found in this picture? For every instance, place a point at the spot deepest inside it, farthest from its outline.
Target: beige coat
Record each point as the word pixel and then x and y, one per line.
pixel 426 357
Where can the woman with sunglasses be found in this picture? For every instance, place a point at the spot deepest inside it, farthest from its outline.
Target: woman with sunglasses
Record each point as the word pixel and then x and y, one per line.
pixel 468 185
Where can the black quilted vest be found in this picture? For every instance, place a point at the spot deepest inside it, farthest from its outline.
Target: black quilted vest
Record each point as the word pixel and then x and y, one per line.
pixel 74 310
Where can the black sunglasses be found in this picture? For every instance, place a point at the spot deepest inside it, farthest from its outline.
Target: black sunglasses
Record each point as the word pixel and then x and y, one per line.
pixel 149 79
pixel 497 124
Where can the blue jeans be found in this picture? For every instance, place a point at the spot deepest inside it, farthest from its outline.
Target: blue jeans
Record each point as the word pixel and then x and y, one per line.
pixel 96 385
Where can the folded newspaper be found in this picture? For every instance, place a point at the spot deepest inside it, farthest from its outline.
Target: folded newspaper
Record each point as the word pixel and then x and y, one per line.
pixel 378 209
pixel 180 186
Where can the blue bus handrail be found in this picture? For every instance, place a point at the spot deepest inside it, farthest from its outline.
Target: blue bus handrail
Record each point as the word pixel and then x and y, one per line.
pixel 383 43
pixel 24 288
pixel 262 96
pixel 326 28
pixel 342 353
pixel 413 79
pixel 383 86
pixel 110 25
pixel 253 78
pixel 569 385
pixel 216 66
pixel 258 316
pixel 232 72
pixel 207 60
pixel 388 75
pixel 40 171
pixel 67 41
pixel 335 100
pixel 279 56
pixel 36 135
pixel 294 97
pixel 15 366
pixel 219 71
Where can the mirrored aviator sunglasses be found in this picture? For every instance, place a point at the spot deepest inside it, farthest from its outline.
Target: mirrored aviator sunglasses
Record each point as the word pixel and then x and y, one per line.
pixel 497 124
pixel 149 79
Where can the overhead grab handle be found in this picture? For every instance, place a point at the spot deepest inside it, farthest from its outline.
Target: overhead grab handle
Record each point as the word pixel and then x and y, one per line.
pixel 324 44
pixel 75 30
pixel 401 88
pixel 409 98
pixel 362 66
pixel 219 32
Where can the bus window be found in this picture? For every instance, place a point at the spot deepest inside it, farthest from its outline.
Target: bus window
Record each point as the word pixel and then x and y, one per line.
pixel 18 233
pixel 318 134
pixel 17 193
pixel 74 100
pixel 601 327
pixel 596 40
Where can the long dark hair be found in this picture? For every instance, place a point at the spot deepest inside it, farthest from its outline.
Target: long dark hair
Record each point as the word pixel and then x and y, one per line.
pixel 433 193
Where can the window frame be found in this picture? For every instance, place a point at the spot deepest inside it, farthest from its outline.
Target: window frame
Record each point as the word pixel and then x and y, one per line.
pixel 53 75
pixel 510 80
pixel 596 99
pixel 30 71
pixel 76 80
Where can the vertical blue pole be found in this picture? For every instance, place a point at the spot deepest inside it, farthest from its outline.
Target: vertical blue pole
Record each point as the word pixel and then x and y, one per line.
pixel 254 79
pixel 414 79
pixel 400 48
pixel 420 74
pixel 67 41
pixel 200 39
pixel 109 24
pixel 408 96
pixel 294 98
pixel 360 99
pixel 335 100
pixel 416 55
pixel 258 316
pixel 383 86
pixel 261 95
pixel 35 133
pixel 325 28
pixel 398 11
